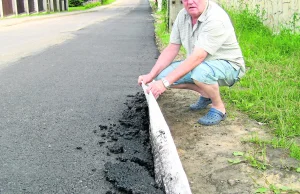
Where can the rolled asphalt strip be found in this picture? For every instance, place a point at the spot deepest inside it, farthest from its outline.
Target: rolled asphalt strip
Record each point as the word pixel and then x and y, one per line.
pixel 168 168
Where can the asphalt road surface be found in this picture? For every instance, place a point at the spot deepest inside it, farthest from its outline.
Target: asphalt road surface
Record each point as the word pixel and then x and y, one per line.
pixel 54 94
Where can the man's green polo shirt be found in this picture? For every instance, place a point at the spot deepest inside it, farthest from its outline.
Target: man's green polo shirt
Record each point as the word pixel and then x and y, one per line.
pixel 213 32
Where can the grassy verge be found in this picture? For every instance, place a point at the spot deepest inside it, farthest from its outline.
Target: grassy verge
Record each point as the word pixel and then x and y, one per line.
pixel 90 5
pixel 80 8
pixel 105 2
pixel 26 15
pixel 270 91
pixel 70 9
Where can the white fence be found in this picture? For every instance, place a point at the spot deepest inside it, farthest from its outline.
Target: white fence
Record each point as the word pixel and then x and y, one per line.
pixel 278 13
pixel 17 7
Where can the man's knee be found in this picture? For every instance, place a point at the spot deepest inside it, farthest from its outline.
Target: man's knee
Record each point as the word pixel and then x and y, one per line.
pixel 204 77
pixel 206 85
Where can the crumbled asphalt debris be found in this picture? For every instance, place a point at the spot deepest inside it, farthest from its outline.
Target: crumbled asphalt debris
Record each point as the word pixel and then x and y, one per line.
pixel 102 127
pixel 133 170
pixel 125 178
pixel 101 142
pixel 116 148
pixel 114 137
pixel 78 148
pixel 110 192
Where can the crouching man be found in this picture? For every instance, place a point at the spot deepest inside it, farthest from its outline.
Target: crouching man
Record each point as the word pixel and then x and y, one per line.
pixel 214 58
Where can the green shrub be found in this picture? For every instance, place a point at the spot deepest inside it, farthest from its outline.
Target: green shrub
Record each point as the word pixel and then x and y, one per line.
pixel 105 2
pixel 92 5
pixel 75 3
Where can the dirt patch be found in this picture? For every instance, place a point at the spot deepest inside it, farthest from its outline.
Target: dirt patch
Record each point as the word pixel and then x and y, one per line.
pixel 133 171
pixel 205 151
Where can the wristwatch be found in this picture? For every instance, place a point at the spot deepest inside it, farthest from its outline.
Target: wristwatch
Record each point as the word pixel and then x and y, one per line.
pixel 165 82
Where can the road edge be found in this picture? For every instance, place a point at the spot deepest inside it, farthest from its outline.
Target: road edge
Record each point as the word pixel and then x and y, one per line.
pixel 169 172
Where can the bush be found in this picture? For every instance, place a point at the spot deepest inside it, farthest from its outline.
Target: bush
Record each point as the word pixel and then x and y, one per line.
pixel 92 5
pixel 75 3
pixel 105 2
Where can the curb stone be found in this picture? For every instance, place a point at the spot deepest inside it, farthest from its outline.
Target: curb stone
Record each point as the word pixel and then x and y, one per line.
pixel 169 172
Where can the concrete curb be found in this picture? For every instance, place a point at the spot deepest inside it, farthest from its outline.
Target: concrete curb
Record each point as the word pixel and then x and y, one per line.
pixel 168 168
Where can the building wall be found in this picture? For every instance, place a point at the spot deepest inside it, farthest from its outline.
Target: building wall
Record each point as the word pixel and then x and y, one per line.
pixel 7 6
pixel 174 7
pixel 20 6
pixel 15 7
pixel 277 12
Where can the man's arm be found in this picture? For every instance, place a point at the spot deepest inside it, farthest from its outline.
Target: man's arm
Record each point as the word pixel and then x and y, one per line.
pixel 165 59
pixel 196 58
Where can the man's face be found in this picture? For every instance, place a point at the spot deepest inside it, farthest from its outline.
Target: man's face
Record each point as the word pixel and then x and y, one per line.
pixel 194 7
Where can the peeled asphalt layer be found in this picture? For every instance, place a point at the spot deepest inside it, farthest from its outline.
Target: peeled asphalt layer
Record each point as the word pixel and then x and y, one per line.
pixel 54 103
pixel 134 170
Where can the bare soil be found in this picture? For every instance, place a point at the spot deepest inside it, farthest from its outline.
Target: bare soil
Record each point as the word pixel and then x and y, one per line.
pixel 205 151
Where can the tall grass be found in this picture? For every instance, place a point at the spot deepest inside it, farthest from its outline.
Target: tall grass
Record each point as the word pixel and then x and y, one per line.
pixel 270 90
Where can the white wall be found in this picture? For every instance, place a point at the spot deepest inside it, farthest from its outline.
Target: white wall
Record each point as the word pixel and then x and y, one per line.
pixel 278 12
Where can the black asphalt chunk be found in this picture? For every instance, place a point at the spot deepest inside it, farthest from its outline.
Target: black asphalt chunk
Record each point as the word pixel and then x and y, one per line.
pixel 79 148
pixel 131 178
pixel 133 172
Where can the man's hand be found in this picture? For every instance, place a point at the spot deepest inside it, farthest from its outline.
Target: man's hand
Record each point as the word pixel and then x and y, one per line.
pixel 145 78
pixel 156 88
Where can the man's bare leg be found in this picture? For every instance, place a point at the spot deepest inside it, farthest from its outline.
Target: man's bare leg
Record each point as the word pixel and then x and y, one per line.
pixel 193 87
pixel 213 92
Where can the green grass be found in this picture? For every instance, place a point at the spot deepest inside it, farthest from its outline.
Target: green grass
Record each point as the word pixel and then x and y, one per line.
pixel 70 9
pixel 270 90
pixel 161 29
pixel 28 15
pixel 105 2
pixel 91 5
pixel 80 8
pixel 85 7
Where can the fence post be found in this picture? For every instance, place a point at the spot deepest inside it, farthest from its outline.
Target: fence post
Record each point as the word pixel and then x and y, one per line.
pixel 174 7
pixel 36 6
pixel 26 3
pixel 58 5
pixel 15 7
pixel 1 9
pixel 159 4
pixel 67 5
pixel 52 8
